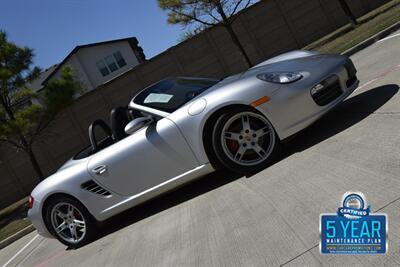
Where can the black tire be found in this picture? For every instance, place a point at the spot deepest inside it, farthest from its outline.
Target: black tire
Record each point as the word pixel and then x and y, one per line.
pixel 221 153
pixel 82 214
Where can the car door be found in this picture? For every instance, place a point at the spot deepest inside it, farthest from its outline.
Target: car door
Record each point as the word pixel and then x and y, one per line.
pixel 147 158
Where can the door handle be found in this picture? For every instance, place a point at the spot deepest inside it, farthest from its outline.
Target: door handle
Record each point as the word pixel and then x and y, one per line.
pixel 100 169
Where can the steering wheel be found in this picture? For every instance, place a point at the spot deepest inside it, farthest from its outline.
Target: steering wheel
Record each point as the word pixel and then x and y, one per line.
pixel 92 136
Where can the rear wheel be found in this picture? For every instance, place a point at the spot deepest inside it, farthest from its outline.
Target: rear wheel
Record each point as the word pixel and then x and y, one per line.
pixel 70 222
pixel 244 140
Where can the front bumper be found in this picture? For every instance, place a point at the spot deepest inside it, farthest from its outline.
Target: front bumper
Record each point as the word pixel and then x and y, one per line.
pixel 293 108
pixel 300 125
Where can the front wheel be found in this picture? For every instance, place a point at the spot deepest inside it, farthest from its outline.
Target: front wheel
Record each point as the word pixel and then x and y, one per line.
pixel 244 140
pixel 70 222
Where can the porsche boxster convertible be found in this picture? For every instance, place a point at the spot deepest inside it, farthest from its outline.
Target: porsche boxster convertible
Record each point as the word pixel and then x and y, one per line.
pixel 180 129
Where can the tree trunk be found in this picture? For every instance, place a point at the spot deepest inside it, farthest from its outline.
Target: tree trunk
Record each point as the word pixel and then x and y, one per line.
pixel 348 12
pixel 25 145
pixel 32 157
pixel 236 41
pixel 35 164
pixel 228 26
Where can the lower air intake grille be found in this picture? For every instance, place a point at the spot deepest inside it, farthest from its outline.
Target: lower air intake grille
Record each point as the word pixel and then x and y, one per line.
pixel 330 91
pixel 93 187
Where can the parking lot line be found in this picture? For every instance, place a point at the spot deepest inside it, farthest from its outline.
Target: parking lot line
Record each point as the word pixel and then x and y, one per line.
pixel 381 76
pixel 20 251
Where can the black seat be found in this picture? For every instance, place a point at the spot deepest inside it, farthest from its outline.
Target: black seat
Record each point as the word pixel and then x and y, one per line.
pixel 119 119
pixel 97 145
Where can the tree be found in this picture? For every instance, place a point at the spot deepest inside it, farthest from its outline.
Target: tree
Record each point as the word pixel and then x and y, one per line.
pixel 191 33
pixel 207 13
pixel 24 113
pixel 348 12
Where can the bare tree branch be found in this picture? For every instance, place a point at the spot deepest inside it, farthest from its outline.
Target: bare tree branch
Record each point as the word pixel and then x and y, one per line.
pixel 212 15
pixel 234 17
pixel 190 17
pixel 13 143
pixel 235 8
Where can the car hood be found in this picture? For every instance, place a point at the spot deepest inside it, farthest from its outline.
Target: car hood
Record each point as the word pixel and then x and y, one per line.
pixel 296 61
pixel 287 56
pixel 310 64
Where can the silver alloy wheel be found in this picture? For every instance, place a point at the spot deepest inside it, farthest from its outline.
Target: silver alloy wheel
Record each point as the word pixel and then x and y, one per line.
pixel 68 222
pixel 252 134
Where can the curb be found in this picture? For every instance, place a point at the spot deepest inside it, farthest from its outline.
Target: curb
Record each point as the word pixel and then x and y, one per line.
pixel 16 236
pixel 373 39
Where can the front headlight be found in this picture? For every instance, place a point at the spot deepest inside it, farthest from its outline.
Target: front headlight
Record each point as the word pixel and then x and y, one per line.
pixel 280 77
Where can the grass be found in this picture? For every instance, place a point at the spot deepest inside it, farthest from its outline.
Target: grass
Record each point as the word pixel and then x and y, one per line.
pixel 369 25
pixel 13 218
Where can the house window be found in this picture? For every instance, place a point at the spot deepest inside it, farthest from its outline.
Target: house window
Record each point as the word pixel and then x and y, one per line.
pixel 120 60
pixel 102 68
pixel 111 63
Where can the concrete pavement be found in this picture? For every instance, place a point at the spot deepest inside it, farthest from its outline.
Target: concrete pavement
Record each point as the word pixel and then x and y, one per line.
pixel 271 218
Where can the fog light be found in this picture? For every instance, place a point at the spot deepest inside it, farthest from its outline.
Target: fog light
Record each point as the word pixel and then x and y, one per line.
pixel 316 89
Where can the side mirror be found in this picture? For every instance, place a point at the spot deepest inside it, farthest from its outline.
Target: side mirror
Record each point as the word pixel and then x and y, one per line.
pixel 137 124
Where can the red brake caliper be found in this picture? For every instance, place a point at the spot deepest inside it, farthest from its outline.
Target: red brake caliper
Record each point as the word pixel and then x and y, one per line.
pixel 77 215
pixel 232 145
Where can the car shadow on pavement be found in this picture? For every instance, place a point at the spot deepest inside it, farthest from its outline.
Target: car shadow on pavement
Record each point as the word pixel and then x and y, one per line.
pixel 349 113
pixel 167 200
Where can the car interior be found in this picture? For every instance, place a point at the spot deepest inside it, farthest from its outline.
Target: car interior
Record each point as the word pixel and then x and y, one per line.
pixel 167 95
pixel 110 133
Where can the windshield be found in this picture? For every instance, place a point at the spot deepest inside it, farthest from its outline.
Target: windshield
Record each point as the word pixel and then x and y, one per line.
pixel 170 94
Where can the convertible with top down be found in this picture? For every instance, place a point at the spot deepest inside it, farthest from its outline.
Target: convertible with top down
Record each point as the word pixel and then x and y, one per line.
pixel 182 128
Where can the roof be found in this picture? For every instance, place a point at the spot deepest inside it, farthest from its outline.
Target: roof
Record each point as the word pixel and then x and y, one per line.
pixel 133 42
pixel 37 84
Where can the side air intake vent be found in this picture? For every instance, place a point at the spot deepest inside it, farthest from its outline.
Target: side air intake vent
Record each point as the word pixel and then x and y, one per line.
pixel 93 187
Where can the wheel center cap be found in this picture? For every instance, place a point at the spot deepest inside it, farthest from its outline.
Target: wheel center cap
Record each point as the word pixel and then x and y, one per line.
pixel 248 136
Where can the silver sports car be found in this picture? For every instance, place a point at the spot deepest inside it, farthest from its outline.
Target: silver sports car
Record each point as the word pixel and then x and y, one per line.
pixel 179 129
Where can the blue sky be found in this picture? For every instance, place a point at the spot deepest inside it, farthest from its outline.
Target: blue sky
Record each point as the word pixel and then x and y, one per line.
pixel 54 27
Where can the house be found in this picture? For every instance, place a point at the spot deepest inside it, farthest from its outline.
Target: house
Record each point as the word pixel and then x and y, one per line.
pixel 96 63
pixel 37 84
